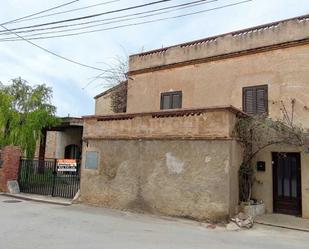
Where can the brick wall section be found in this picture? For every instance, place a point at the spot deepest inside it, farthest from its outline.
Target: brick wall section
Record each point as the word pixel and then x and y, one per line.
pixel 0 173
pixel 11 158
pixel 1 180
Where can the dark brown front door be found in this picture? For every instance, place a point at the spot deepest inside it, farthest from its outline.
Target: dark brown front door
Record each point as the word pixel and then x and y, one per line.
pixel 287 183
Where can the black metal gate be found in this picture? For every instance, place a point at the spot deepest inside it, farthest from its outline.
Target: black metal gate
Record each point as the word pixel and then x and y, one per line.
pixel 42 177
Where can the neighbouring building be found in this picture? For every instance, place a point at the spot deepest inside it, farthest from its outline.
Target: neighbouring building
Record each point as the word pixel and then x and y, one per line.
pixel 173 151
pixel 103 101
pixel 63 141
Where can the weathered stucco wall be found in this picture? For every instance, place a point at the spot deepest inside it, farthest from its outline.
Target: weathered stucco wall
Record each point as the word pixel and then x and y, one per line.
pixel 171 177
pixel 263 186
pixel 270 34
pixel 103 105
pixel 208 124
pixel 286 72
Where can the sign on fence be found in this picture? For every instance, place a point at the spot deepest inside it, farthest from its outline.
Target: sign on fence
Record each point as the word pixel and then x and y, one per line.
pixel 66 165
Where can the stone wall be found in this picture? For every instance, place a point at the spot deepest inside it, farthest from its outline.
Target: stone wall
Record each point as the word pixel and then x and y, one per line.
pixel 183 178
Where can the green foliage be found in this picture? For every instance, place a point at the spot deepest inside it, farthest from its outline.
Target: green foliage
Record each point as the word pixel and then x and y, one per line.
pixel 24 112
pixel 255 133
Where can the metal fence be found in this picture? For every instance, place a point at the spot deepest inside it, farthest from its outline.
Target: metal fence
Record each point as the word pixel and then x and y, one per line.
pixel 44 178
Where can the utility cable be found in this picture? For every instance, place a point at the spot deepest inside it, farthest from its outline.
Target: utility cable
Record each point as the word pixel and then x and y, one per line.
pixel 52 53
pixel 94 15
pixel 135 24
pixel 122 19
pixel 69 11
pixel 40 12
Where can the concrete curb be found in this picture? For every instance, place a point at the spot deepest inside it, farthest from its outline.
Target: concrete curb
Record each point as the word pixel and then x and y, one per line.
pixel 38 198
pixel 282 226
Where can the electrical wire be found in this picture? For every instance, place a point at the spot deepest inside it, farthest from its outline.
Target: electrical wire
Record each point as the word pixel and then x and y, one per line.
pixel 95 15
pixel 38 13
pixel 122 18
pixel 53 53
pixel 69 11
pixel 135 24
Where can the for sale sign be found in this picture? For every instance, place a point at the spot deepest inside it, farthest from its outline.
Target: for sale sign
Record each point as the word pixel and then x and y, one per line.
pixel 66 165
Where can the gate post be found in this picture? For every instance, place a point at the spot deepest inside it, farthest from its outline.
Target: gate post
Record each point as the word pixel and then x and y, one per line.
pixel 10 166
pixel 54 176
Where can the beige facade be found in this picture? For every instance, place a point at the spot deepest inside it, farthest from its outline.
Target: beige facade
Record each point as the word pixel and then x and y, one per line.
pixel 164 162
pixel 285 71
pixel 209 72
pixel 263 186
pixel 103 104
pixel 103 101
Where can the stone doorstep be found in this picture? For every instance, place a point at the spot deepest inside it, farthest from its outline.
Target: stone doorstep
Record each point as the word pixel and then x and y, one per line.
pixel 284 221
pixel 40 198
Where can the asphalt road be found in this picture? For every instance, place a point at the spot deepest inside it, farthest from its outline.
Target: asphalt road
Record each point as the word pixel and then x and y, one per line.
pixel 30 225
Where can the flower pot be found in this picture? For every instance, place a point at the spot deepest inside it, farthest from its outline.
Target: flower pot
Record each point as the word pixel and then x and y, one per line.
pixel 253 210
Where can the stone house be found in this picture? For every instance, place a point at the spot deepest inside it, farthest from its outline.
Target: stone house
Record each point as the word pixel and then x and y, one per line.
pixel 173 151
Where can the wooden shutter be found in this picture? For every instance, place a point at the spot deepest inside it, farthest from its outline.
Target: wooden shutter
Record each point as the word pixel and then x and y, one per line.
pixel 249 100
pixel 261 100
pixel 255 100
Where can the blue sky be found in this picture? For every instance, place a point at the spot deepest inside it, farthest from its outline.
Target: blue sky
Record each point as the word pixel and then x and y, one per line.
pixel 67 80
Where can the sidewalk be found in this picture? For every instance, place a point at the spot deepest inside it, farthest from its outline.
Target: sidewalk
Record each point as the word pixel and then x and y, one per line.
pixel 40 198
pixel 284 221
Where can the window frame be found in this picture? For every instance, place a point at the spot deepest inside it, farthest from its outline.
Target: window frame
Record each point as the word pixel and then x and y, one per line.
pixel 255 88
pixel 171 94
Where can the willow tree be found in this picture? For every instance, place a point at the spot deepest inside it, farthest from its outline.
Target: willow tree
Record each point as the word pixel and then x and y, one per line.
pixel 24 112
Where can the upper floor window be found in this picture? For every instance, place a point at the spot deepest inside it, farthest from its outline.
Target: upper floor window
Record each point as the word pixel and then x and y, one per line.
pixel 171 100
pixel 255 99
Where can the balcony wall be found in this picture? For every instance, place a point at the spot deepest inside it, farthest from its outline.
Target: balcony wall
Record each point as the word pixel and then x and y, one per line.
pixel 211 123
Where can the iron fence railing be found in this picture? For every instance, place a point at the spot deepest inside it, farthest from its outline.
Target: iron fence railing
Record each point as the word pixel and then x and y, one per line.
pixel 42 177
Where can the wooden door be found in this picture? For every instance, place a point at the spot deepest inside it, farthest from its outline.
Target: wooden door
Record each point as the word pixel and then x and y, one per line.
pixel 287 183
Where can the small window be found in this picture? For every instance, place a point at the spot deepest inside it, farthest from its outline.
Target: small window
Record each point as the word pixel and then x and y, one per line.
pixel 171 100
pixel 255 99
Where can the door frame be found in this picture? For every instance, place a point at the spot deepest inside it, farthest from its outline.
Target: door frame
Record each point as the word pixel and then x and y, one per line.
pixel 275 181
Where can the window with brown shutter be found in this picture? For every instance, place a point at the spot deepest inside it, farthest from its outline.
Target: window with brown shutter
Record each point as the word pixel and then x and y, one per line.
pixel 255 99
pixel 171 100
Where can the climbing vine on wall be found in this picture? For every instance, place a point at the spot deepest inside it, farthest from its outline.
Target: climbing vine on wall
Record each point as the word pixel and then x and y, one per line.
pixel 258 132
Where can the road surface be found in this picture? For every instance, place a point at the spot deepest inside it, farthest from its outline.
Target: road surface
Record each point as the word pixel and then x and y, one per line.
pixel 31 225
